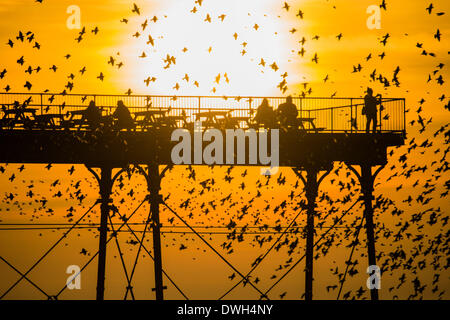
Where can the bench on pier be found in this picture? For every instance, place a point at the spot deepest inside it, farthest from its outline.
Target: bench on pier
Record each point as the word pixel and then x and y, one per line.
pixel 75 119
pixel 48 120
pixel 18 116
pixel 151 118
pixel 310 123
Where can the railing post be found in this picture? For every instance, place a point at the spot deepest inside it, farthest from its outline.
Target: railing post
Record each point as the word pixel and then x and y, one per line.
pixel 301 108
pixel 332 114
pixel 41 104
pixel 404 116
pixel 381 109
pixel 309 116
pixel 351 116
pixel 199 103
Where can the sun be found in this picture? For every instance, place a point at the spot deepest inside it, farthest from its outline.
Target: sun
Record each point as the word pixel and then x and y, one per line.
pixel 220 48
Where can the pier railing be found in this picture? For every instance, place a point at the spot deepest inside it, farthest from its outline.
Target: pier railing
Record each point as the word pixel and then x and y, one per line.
pixel 330 114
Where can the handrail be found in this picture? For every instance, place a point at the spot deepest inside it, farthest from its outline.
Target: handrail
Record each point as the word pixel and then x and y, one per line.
pixel 337 114
pixel 176 96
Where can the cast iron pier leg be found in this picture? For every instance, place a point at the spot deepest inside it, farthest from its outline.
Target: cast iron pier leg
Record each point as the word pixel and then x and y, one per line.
pixel 105 193
pixel 367 180
pixel 311 184
pixel 155 199
pixel 311 194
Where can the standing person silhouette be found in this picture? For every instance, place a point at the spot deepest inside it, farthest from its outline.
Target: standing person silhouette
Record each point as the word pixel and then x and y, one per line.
pixel 287 113
pixel 370 109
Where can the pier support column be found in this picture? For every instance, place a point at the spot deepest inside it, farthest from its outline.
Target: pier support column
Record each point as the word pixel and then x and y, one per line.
pixel 105 183
pixel 311 184
pixel 366 179
pixel 105 193
pixel 154 186
pixel 311 195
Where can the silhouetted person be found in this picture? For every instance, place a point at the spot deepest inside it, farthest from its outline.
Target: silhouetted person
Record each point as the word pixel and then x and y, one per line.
pixel 287 113
pixel 123 116
pixel 92 115
pixel 265 115
pixel 370 109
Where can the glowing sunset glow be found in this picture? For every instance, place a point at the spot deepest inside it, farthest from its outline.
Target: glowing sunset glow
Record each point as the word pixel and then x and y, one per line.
pixel 230 55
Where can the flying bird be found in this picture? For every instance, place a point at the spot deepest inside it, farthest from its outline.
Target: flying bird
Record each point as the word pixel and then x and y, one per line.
pixel 136 9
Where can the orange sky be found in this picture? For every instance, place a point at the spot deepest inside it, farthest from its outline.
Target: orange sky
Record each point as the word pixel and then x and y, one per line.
pixel 178 28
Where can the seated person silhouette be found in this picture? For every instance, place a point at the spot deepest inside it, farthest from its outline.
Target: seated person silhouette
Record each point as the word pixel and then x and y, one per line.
pixel 265 115
pixel 123 116
pixel 93 115
pixel 287 113
pixel 370 109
